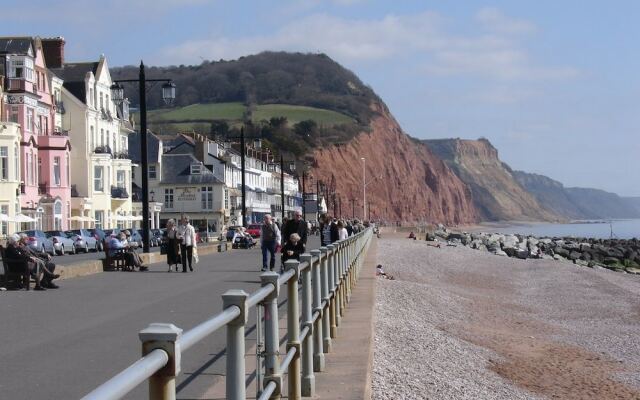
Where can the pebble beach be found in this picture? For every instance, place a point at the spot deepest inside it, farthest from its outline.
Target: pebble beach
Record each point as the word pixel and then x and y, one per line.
pixel 456 323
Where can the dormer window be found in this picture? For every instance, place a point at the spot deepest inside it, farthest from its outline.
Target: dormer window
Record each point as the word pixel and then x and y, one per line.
pixel 196 169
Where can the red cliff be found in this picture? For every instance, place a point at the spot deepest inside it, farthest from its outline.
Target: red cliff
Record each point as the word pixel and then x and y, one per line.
pixel 408 182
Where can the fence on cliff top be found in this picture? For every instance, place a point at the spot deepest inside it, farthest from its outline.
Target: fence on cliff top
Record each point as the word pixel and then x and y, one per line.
pixel 328 277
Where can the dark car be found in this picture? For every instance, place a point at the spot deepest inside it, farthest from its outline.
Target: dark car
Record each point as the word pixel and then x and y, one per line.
pixel 254 230
pixel 99 235
pixel 158 234
pixel 38 240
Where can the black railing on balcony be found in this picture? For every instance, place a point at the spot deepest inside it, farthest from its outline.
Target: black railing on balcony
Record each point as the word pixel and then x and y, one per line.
pixel 60 132
pixel 42 188
pixel 118 192
pixel 74 191
pixel 102 150
pixel 22 188
pixel 122 155
pixel 16 84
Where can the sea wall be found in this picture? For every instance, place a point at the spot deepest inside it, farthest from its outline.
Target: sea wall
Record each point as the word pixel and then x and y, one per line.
pixel 621 255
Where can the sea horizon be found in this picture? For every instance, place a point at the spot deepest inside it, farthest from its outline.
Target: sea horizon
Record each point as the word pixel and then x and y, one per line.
pixel 597 229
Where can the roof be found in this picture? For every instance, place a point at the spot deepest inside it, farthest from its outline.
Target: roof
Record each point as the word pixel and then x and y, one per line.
pixel 15 45
pixel 74 75
pixel 153 147
pixel 176 169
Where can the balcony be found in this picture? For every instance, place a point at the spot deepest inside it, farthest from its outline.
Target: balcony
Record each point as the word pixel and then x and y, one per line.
pixel 102 150
pixel 60 132
pixel 60 107
pixel 42 188
pixel 16 85
pixel 22 188
pixel 74 191
pixel 118 192
pixel 122 155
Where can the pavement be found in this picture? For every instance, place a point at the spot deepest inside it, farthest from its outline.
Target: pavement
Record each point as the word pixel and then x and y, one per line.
pixel 60 344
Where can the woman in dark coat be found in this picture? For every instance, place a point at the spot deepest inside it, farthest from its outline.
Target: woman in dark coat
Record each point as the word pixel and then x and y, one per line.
pixel 172 244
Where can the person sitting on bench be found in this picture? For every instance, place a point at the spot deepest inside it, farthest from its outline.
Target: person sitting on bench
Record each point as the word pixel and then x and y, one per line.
pixel 118 244
pixel 40 265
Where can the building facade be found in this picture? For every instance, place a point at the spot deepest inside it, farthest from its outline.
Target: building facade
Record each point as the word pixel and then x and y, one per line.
pixel 10 135
pixel 101 192
pixel 44 156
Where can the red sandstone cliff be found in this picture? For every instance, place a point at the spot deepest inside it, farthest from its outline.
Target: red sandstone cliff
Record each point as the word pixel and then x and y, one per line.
pixel 414 185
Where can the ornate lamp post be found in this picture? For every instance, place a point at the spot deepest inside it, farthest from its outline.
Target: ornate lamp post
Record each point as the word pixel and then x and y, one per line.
pixel 168 95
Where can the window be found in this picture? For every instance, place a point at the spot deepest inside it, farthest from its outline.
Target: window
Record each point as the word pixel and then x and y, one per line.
pixel 39 167
pixel 114 143
pixel 91 96
pixel 206 196
pixel 92 140
pixel 226 199
pixel 68 169
pixel 56 171
pixel 4 227
pixel 4 163
pixel 120 179
pixel 99 217
pixel 29 169
pixel 14 114
pixel 101 101
pixel 98 183
pixel 123 144
pixel 168 198
pixel 196 169
pixel 101 137
pixel 16 166
pixel 152 172
pixel 30 120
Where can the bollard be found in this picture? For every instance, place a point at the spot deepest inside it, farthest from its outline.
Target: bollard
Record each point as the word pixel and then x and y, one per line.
pixel 324 279
pixel 271 339
pixel 308 378
pixel 318 355
pixel 293 330
pixel 235 344
pixel 162 384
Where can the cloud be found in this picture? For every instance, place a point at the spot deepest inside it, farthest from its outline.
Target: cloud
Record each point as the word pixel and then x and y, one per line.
pixel 492 19
pixel 494 52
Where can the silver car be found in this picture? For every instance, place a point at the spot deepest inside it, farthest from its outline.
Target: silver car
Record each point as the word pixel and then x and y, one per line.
pixel 38 240
pixel 84 240
pixel 61 242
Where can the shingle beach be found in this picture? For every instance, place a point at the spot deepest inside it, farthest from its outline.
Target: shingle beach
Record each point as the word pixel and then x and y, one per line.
pixel 462 324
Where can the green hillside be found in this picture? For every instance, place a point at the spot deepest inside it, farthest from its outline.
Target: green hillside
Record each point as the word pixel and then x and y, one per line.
pixel 214 111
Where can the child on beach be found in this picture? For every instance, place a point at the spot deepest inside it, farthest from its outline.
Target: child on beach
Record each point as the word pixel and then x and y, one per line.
pixel 380 272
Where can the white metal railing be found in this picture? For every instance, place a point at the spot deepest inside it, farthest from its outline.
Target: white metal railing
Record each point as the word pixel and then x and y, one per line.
pixel 328 276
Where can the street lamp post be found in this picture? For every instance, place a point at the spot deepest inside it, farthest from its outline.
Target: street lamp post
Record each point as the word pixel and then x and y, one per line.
pixel 364 189
pixel 168 95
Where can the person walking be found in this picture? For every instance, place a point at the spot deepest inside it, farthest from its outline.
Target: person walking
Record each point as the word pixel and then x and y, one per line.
pixel 296 225
pixel 187 236
pixel 269 239
pixel 342 231
pixel 172 244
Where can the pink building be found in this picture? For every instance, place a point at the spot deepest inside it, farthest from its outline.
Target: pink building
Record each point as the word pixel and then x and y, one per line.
pixel 45 187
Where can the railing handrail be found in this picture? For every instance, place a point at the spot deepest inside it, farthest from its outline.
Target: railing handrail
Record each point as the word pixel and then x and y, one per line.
pixel 337 262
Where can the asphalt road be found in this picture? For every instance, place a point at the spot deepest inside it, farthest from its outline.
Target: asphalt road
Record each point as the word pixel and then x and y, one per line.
pixel 60 344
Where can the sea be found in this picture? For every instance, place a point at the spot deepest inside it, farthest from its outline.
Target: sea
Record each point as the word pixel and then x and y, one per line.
pixel 619 228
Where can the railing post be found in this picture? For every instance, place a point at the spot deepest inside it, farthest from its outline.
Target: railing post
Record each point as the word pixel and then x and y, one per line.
pixel 235 386
pixel 293 329
pixel 162 385
pixel 308 378
pixel 271 339
pixel 333 291
pixel 318 355
pixel 324 279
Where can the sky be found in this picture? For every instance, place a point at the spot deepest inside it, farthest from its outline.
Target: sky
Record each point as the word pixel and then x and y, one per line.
pixel 554 85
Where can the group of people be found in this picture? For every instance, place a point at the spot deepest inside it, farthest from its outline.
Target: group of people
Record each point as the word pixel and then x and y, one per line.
pixel 120 245
pixel 180 244
pixel 39 264
pixel 295 231
pixel 332 229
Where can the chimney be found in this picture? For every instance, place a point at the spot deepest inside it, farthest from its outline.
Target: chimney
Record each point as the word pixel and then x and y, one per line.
pixel 53 49
pixel 201 151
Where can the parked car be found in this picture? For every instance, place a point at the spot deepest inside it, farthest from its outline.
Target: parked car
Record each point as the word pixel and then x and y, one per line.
pixel 99 235
pixel 135 237
pixel 157 236
pixel 38 240
pixel 230 232
pixel 254 230
pixel 84 240
pixel 61 242
pixel 153 240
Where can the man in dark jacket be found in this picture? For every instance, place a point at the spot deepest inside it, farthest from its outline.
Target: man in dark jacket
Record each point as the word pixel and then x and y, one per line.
pixel 295 225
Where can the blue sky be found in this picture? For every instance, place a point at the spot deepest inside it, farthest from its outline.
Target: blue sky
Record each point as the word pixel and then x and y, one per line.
pixel 553 84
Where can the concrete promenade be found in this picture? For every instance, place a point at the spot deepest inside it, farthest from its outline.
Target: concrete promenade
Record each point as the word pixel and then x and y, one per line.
pixel 62 343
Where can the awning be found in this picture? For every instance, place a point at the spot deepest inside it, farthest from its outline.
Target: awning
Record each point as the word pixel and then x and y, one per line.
pixel 4 217
pixel 23 218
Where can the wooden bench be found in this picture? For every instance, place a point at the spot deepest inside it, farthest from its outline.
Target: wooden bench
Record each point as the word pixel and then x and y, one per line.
pixel 15 270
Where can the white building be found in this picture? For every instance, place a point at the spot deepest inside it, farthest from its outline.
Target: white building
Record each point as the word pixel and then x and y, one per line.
pixel 101 173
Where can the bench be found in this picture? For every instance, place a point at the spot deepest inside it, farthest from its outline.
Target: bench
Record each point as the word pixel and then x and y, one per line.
pixel 115 262
pixel 15 270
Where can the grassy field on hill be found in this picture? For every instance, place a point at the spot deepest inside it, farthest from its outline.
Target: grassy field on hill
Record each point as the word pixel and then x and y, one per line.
pixel 198 113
